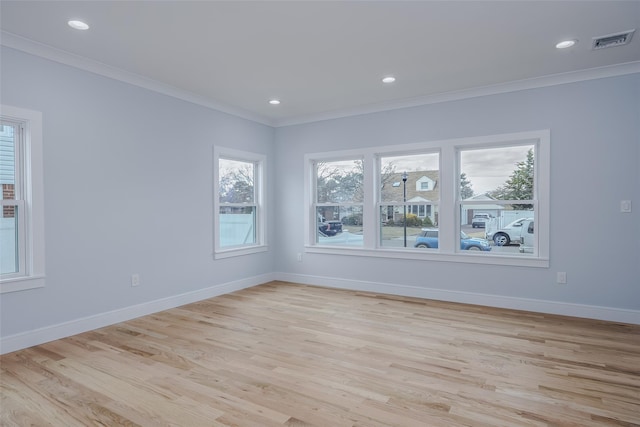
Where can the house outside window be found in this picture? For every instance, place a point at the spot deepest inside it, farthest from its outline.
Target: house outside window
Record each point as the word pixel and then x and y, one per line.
pixel 239 214
pixel 408 202
pixel 425 183
pixel 22 215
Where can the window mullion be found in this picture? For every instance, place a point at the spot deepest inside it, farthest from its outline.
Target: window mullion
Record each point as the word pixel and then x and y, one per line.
pixel 369 214
pixel 449 218
pixel 23 246
pixel 431 173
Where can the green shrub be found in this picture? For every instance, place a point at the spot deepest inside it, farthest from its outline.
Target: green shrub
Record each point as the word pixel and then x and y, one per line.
pixel 412 221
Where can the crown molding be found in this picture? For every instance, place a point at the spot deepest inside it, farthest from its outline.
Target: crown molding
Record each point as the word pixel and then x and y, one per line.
pixel 38 49
pixel 515 86
pixel 48 52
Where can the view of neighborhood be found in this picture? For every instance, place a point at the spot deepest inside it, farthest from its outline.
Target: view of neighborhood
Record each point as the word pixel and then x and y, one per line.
pixel 409 201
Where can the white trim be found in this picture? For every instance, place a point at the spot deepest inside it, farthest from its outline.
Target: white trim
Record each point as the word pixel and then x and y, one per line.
pixel 438 255
pixel 62 330
pixel 515 86
pixel 260 185
pixel 514 303
pixel 33 188
pixel 14 284
pixel 230 253
pixel 449 218
pixel 63 57
pixel 45 51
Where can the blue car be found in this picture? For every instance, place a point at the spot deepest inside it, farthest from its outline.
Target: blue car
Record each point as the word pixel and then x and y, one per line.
pixel 428 238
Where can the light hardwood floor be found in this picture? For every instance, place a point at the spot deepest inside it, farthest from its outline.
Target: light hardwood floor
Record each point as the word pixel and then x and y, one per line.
pixel 282 354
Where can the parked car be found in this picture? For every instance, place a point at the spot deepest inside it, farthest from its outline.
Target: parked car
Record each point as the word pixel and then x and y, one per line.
pixel 428 238
pixel 527 238
pixel 510 233
pixel 480 220
pixel 329 228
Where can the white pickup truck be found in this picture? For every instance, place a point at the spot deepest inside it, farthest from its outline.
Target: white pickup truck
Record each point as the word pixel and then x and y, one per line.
pixel 508 234
pixel 480 220
pixel 527 237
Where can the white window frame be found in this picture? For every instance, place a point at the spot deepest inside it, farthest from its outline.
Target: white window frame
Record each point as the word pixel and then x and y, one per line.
pixel 310 196
pixel 29 200
pixel 313 232
pixel 260 162
pixel 449 205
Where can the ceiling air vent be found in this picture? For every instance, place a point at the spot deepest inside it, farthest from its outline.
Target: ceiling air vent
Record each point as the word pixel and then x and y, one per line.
pixel 612 40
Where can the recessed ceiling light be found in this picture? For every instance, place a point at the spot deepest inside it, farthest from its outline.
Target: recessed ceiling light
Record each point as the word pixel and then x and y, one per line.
pixel 78 25
pixel 274 101
pixel 388 79
pixel 565 44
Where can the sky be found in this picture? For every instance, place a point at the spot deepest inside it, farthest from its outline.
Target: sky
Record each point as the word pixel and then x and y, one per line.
pixel 486 169
pixel 489 168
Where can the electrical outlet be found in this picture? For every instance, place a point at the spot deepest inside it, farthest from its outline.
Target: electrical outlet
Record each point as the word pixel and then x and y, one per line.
pixel 135 279
pixel 561 277
pixel 625 206
pixel 299 257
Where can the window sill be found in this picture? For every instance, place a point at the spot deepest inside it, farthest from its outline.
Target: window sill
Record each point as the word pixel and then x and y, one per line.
pixel 16 284
pixel 229 253
pixel 433 255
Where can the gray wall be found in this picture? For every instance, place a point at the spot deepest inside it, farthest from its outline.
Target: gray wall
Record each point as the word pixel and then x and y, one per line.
pixel 595 139
pixel 128 189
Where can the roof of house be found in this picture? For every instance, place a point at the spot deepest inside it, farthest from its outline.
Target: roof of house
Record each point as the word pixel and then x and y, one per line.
pixel 392 187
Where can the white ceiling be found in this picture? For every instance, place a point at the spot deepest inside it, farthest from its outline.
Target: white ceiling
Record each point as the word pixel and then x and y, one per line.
pixel 322 58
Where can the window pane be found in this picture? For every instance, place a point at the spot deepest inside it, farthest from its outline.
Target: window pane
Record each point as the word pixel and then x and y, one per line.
pixel 488 176
pixel 8 160
pixel 422 178
pixel 9 240
pixel 236 181
pixel 9 216
pixel 339 225
pixel 339 182
pixel 504 173
pixel 237 225
pixel 392 232
pixel 504 226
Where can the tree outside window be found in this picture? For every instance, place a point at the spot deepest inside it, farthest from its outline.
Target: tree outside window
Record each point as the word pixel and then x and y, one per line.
pixel 239 212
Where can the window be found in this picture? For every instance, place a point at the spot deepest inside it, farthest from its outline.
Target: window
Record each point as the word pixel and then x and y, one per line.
pixel 408 200
pixel 337 202
pixel 504 178
pixel 238 203
pixel 453 200
pixel 21 218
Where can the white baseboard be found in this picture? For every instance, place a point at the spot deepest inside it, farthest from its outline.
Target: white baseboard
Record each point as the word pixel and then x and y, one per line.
pixel 62 330
pixel 527 304
pixel 73 327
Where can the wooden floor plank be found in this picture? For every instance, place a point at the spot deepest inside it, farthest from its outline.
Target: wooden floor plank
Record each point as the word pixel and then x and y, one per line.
pixel 284 354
